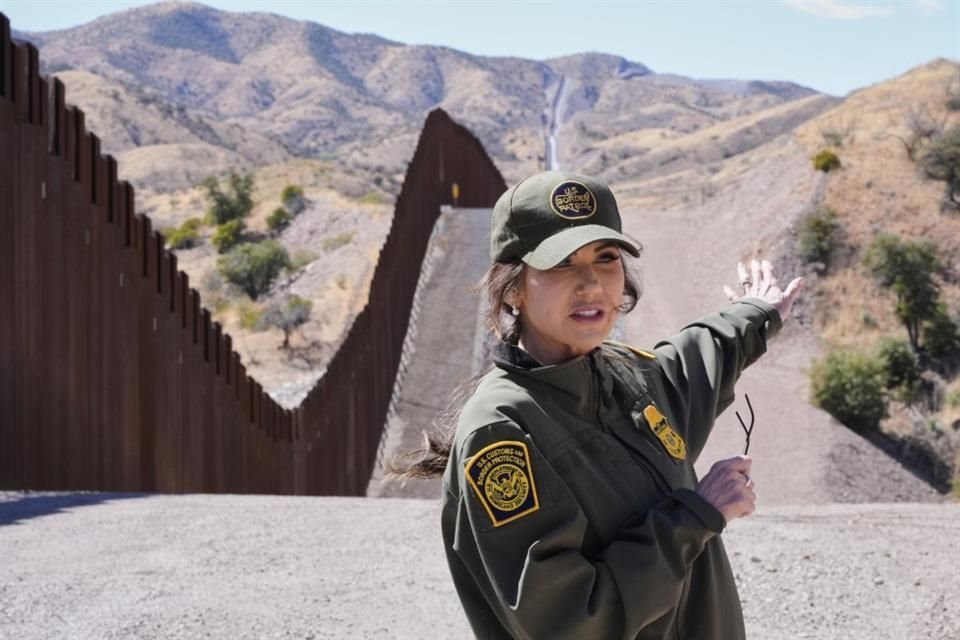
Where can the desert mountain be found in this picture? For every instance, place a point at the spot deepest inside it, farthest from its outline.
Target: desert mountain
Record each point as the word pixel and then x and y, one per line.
pixel 160 144
pixel 361 99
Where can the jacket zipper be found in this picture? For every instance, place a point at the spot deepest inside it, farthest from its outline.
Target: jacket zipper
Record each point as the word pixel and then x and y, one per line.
pixel 597 380
pixel 663 487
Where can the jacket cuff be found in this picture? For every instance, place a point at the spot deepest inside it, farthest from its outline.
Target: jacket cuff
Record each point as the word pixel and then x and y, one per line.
pixel 756 310
pixel 708 514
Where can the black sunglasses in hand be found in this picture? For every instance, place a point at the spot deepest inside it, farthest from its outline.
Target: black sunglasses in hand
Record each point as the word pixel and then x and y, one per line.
pixel 747 430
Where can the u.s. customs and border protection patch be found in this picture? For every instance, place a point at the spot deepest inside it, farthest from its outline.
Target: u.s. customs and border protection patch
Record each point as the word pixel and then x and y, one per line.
pixel 502 478
pixel 671 440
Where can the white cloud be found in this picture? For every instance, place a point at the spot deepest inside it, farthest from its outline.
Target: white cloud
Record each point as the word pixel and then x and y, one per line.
pixel 843 10
pixel 929 6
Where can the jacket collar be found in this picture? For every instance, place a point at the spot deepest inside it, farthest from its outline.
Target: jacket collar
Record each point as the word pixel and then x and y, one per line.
pixel 583 382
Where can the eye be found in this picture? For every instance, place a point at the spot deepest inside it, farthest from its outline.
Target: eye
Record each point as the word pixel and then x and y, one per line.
pixel 608 256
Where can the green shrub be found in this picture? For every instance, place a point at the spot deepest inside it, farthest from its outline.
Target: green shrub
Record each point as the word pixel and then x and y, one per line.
pixel 901 365
pixel 279 220
pixel 901 370
pixel 290 192
pixel 254 267
pixel 301 259
pixel 850 387
pixel 194 224
pixel 249 315
pixel 233 205
pixel 287 314
pixel 818 236
pixel 332 243
pixel 183 238
pixel 941 336
pixel 292 198
pixel 907 268
pixel 372 197
pixel 228 235
pixel 826 161
pixel 941 161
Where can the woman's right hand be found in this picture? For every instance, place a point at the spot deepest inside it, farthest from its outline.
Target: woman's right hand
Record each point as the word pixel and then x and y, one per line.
pixel 728 487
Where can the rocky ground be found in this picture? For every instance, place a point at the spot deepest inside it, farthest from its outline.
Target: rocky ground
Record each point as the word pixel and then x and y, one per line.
pixel 199 566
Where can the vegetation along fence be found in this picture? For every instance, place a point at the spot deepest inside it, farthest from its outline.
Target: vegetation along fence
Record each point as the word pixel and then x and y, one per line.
pixel 113 375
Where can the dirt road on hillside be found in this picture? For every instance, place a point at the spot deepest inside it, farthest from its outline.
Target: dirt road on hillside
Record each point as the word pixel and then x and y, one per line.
pixel 442 344
pixel 801 455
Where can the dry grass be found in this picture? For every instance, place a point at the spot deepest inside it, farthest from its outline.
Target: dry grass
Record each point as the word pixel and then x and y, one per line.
pixel 879 190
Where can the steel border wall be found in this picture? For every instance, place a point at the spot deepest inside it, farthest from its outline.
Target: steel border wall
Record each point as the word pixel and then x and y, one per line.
pixel 113 375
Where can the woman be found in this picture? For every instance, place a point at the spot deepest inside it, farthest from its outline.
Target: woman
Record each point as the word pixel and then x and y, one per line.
pixel 571 508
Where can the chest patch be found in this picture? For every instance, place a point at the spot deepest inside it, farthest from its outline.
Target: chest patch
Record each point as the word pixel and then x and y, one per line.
pixel 671 440
pixel 502 478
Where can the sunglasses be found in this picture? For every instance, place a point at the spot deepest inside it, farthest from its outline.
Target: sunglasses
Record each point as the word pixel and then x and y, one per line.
pixel 747 430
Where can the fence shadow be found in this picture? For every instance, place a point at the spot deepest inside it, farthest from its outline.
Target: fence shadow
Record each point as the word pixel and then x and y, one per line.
pixel 31 506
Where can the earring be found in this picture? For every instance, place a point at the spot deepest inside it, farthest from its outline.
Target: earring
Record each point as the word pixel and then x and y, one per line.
pixel 515 311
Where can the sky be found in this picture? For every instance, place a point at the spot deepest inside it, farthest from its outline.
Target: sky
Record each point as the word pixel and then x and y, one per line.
pixel 833 46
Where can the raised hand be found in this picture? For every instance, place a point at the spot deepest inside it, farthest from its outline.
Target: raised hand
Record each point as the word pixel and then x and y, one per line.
pixel 761 283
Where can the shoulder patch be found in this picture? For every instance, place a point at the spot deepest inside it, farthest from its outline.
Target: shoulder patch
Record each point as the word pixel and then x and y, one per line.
pixel 502 478
pixel 643 353
pixel 670 439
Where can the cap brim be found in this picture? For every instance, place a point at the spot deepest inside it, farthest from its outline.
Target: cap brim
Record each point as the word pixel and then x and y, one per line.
pixel 557 247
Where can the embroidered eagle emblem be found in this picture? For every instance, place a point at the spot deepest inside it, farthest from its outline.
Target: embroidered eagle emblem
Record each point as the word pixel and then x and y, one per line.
pixel 502 480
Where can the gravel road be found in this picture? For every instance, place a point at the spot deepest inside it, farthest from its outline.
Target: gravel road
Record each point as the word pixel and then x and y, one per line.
pixel 104 566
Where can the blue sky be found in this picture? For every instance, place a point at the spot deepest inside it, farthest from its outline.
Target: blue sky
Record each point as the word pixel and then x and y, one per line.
pixel 833 46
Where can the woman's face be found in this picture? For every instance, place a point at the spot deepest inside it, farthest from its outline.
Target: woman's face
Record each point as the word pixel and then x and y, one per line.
pixel 570 309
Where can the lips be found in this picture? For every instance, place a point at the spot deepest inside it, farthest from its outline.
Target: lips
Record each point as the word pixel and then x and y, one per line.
pixel 588 315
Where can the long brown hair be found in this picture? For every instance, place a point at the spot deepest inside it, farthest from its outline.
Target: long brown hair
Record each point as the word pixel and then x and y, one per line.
pixel 500 283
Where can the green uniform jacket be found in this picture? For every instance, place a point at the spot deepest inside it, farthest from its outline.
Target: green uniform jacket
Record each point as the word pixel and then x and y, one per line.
pixel 569 508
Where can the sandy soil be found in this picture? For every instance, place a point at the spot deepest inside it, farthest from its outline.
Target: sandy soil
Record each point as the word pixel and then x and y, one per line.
pixel 199 566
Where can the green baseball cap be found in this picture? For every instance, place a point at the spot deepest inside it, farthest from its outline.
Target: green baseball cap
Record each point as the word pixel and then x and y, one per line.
pixel 548 216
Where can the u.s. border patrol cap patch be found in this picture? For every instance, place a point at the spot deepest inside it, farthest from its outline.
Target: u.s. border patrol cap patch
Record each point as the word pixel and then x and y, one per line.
pixel 573 200
pixel 502 478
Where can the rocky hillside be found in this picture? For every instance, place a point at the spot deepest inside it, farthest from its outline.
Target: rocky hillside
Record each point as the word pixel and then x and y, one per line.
pixel 761 202
pixel 161 145
pixel 880 188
